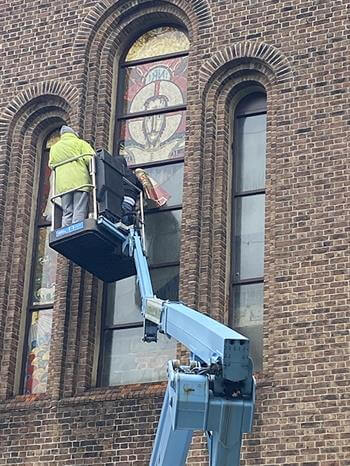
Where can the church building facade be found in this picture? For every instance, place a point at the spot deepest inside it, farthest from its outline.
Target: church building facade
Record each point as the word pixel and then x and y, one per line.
pixel 239 112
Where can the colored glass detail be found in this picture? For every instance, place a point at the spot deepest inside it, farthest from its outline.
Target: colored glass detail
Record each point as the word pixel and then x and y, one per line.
pixel 39 339
pixel 155 85
pixel 159 41
pixel 153 138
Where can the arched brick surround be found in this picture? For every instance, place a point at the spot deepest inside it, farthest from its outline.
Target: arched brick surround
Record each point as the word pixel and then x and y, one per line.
pixel 222 77
pixel 23 125
pixel 103 36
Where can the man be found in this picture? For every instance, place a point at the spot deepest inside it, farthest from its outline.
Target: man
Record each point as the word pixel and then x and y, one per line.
pixel 131 194
pixel 73 175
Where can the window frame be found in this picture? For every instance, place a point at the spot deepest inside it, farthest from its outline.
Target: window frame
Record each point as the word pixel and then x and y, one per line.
pixel 234 281
pixel 121 117
pixel 38 226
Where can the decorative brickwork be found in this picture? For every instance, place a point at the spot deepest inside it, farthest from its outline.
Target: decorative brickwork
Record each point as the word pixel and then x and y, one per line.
pixel 59 64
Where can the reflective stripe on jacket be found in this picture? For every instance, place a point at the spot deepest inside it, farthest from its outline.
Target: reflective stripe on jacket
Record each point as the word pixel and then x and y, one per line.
pixel 73 174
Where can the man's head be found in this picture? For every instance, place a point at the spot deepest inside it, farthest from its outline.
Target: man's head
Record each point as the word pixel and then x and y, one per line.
pixel 67 129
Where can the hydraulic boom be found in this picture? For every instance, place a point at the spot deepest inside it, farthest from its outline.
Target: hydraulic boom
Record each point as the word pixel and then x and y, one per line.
pixel 215 393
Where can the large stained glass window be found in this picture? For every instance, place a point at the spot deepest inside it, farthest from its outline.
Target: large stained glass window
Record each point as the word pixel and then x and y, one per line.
pixel 150 134
pixel 248 221
pixel 42 288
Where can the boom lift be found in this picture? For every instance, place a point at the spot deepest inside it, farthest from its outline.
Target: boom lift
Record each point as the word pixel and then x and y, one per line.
pixel 215 392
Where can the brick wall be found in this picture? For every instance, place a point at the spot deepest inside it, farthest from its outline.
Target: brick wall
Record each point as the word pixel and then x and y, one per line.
pixel 56 62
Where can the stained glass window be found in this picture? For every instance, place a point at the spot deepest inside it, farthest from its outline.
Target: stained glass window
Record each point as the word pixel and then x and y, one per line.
pixel 150 134
pixel 42 292
pixel 248 221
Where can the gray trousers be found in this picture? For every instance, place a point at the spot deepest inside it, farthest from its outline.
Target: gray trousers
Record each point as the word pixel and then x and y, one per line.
pixel 75 207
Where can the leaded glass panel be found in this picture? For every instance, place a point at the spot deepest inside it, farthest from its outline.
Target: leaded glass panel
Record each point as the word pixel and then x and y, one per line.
pixel 155 85
pixel 39 339
pixel 153 138
pixel 156 42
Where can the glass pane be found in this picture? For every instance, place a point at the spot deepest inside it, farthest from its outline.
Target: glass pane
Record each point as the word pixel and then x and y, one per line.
pixel 249 237
pixel 165 282
pixel 45 270
pixel 248 317
pixel 255 335
pixel 39 339
pixel 248 304
pixel 123 302
pixel 46 193
pixel 155 85
pixel 251 153
pixel 162 231
pixel 159 41
pixel 128 360
pixel 169 179
pixel 153 138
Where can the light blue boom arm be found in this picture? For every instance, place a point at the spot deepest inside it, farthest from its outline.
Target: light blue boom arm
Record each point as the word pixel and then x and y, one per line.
pixel 215 393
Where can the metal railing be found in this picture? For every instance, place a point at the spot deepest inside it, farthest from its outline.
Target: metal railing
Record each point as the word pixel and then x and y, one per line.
pixel 93 187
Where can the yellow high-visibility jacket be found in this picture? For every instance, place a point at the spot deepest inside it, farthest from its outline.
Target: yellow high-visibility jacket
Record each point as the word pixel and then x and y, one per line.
pixel 73 174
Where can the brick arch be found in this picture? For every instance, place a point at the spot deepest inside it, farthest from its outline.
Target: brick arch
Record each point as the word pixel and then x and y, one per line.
pixel 63 94
pixel 245 56
pixel 199 11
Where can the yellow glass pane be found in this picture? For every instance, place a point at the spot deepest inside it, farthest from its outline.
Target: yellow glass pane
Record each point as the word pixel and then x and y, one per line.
pixel 159 41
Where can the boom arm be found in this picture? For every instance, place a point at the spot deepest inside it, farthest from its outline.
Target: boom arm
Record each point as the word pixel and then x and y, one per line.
pixel 215 393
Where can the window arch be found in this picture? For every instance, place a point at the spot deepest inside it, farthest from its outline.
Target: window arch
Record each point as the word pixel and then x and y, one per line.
pixel 248 218
pixel 150 134
pixel 42 287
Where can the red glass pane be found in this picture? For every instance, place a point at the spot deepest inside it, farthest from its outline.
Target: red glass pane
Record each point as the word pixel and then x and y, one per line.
pixel 39 339
pixel 153 138
pixel 155 85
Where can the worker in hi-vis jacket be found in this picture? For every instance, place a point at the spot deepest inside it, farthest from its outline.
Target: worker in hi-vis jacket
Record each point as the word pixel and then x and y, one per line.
pixel 73 175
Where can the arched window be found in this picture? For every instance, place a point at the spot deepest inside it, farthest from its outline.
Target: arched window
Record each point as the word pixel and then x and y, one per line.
pixel 248 220
pixel 42 288
pixel 150 134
